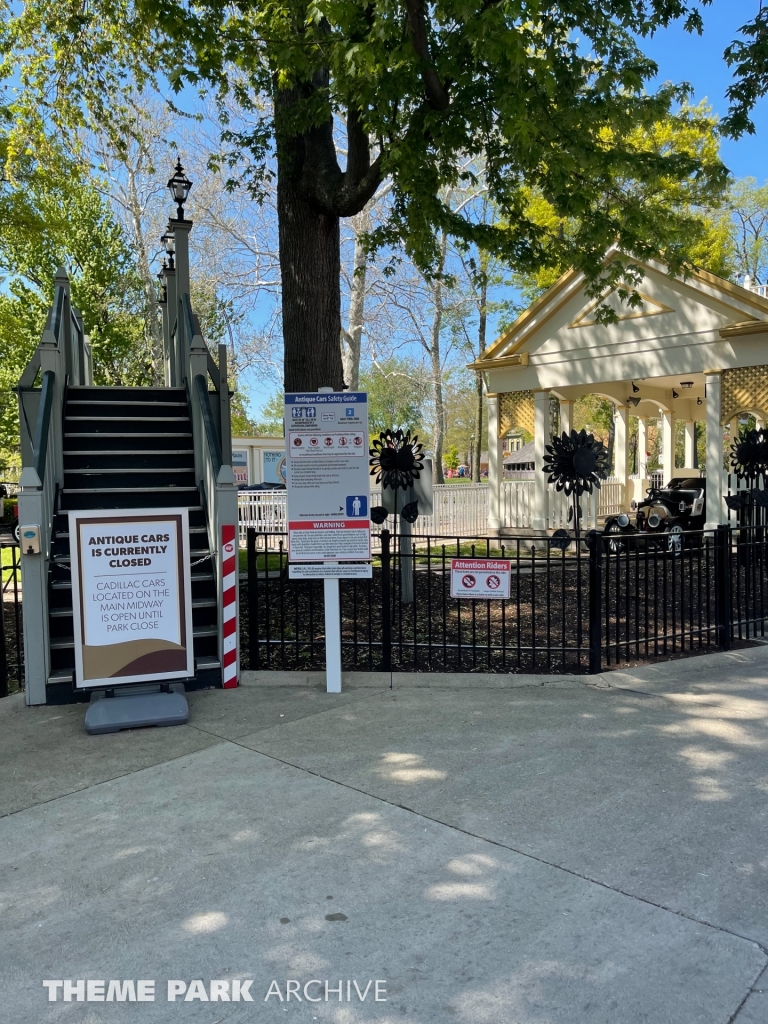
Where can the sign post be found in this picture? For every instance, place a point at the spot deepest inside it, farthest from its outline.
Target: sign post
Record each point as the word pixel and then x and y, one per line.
pixel 132 606
pixel 328 500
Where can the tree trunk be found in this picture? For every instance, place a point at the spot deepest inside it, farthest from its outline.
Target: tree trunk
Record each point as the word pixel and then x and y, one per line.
pixel 351 338
pixel 437 382
pixel 310 265
pixel 482 325
pixel 478 428
pixel 154 326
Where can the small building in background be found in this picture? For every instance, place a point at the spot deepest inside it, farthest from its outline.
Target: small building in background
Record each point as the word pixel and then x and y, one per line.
pixel 520 460
pixel 259 460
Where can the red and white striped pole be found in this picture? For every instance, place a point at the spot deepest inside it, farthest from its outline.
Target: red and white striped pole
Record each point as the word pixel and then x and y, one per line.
pixel 229 616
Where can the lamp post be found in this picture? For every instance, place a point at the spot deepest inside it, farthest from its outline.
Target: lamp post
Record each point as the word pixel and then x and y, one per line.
pixel 169 244
pixel 179 186
pixel 176 237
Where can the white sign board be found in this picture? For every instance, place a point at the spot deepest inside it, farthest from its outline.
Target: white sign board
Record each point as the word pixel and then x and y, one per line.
pixel 327 476
pixel 481 578
pixel 131 596
pixel 274 467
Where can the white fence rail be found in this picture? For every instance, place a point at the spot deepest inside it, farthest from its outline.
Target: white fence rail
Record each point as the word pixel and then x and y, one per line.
pixel 459 510
pixel 517 504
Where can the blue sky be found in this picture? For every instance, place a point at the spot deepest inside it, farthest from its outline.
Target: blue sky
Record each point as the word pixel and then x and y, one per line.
pixel 682 57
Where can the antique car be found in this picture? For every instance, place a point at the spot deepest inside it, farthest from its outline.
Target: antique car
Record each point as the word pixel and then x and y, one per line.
pixel 667 512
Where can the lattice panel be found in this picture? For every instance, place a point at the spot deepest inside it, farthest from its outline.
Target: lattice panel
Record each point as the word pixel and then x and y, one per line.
pixel 744 390
pixel 515 411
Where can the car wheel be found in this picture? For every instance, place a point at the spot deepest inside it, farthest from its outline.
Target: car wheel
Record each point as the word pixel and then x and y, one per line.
pixel 675 540
pixel 613 539
pixel 17 533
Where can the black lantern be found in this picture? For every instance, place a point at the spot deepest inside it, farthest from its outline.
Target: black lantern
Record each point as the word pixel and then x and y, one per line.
pixel 169 244
pixel 179 186
pixel 576 463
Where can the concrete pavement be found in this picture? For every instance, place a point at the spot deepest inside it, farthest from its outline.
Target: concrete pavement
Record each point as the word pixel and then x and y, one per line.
pixel 591 850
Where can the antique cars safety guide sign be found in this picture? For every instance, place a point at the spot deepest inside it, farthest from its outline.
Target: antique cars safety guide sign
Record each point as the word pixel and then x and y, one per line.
pixel 480 577
pixel 131 596
pixel 327 479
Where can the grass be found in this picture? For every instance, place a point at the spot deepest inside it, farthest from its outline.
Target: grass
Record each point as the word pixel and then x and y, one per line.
pixel 273 563
pixel 6 559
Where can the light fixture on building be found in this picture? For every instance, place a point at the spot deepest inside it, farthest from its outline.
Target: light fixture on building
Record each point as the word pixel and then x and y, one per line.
pixel 675 394
pixel 699 401
pixel 635 388
pixel 634 402
pixel 686 383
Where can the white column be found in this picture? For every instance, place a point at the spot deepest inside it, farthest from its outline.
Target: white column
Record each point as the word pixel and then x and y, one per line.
pixel 715 474
pixel 620 449
pixel 495 465
pixel 642 447
pixel 540 517
pixel 690 443
pixel 667 446
pixel 34 571
pixel 566 416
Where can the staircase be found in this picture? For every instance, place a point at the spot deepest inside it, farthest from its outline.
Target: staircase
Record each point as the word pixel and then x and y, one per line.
pixel 127 447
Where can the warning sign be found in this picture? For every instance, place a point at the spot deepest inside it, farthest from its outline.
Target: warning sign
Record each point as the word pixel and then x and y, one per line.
pixel 327 479
pixel 481 578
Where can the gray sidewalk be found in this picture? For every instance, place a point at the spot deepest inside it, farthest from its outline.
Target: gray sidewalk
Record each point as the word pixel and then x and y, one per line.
pixel 591 850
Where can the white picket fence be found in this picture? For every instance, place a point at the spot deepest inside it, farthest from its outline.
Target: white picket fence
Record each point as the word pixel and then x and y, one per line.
pixel 460 510
pixel 517 504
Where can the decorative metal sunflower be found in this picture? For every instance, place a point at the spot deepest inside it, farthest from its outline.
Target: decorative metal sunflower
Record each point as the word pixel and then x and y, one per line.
pixel 576 463
pixel 396 459
pixel 749 454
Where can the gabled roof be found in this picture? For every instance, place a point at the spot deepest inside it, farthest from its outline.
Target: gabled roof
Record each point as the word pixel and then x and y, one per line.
pixel 741 311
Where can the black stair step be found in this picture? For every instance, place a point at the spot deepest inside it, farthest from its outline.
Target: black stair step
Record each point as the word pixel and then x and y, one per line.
pixel 196 519
pixel 128 393
pixel 63 535
pixel 84 499
pixel 65 643
pixel 126 411
pixel 111 429
pixel 128 437
pixel 171 460
pixel 80 403
pixel 114 471
pixel 113 479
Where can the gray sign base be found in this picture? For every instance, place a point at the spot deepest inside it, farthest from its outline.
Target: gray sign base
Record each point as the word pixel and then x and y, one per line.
pixel 136 711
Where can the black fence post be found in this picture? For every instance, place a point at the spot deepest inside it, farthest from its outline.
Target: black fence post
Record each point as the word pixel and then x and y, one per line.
pixel 253 598
pixel 3 650
pixel 723 604
pixel 386 603
pixel 595 601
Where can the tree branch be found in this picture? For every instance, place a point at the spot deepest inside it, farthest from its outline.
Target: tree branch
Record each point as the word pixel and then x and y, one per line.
pixel 437 94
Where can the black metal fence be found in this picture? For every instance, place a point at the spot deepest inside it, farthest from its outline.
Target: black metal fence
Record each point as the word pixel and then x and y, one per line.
pixel 11 634
pixel 580 610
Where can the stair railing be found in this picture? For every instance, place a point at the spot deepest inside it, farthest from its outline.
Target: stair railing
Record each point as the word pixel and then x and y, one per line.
pixel 213 446
pixel 62 358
